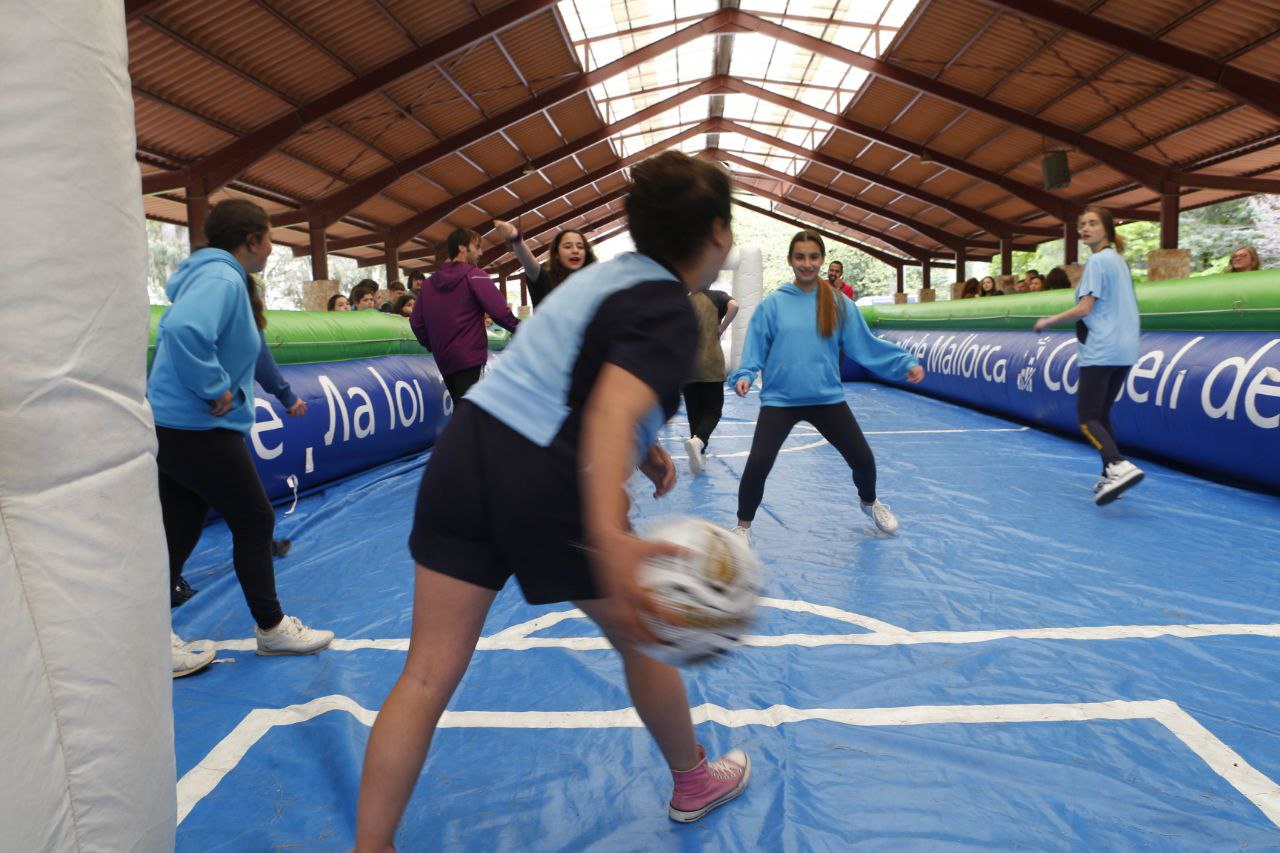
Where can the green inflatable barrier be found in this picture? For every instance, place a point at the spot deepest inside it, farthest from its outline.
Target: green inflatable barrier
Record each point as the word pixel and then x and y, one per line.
pixel 310 337
pixel 1238 302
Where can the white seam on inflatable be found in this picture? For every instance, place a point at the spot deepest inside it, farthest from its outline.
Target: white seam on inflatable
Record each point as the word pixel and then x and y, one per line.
pixel 1255 786
pixel 48 680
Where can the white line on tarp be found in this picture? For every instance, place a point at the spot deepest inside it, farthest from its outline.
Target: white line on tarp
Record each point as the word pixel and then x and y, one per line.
pixel 1259 789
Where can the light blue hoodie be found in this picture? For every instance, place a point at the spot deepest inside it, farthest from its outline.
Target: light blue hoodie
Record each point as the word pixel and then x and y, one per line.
pixel 802 368
pixel 206 344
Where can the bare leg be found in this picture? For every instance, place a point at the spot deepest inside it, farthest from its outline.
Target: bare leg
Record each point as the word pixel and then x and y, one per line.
pixel 657 691
pixel 448 615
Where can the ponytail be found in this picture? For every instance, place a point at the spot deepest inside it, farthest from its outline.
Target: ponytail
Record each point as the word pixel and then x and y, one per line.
pixel 830 308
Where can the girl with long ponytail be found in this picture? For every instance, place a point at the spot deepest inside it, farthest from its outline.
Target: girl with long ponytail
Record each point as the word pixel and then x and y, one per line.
pixel 795 338
pixel 1107 334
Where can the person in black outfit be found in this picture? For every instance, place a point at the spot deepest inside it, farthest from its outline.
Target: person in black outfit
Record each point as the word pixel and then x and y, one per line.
pixel 570 252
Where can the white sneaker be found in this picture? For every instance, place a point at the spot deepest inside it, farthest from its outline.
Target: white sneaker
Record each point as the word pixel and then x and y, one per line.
pixel 1119 477
pixel 189 658
pixel 745 533
pixel 697 462
pixel 291 637
pixel 881 515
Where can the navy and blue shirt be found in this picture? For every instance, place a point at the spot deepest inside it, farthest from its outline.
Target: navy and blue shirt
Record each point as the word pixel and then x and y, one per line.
pixel 632 312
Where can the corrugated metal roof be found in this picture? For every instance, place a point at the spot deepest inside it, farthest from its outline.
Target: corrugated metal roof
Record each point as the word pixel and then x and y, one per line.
pixel 208 74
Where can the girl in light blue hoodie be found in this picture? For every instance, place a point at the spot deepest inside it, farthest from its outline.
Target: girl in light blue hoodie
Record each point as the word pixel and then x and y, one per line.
pixel 795 338
pixel 201 394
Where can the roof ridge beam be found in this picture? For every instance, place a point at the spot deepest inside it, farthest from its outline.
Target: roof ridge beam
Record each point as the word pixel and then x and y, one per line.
pixel 1148 172
pixel 1255 90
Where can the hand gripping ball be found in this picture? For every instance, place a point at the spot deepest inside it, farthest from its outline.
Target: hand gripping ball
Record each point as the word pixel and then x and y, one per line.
pixel 713 590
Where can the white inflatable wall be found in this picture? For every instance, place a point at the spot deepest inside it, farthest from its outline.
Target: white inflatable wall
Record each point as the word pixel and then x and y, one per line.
pixel 86 719
pixel 748 290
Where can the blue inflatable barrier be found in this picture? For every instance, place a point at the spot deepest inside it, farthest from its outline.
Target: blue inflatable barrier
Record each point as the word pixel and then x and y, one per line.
pixel 359 414
pixel 1207 400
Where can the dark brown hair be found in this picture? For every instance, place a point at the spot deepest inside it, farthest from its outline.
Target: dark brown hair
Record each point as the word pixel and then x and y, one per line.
pixel 1108 223
pixel 673 202
pixel 829 308
pixel 398 307
pixel 228 226
pixel 558 271
pixel 333 301
pixel 460 237
pixel 971 288
pixel 1057 279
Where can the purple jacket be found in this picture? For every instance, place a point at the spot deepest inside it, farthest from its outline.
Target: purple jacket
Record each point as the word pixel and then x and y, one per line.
pixel 448 317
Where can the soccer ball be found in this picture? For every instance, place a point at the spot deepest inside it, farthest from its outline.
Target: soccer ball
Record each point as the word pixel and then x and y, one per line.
pixel 714 590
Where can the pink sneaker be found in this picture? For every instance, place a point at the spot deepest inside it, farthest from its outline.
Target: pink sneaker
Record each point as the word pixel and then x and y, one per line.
pixel 709 784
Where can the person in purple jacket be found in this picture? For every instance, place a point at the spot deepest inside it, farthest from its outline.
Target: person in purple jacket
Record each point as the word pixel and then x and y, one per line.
pixel 448 317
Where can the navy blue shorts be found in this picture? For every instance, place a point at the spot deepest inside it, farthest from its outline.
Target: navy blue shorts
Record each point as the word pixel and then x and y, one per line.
pixel 493 504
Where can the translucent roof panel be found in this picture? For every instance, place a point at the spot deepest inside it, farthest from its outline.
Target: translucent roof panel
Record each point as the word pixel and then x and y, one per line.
pixel 603 32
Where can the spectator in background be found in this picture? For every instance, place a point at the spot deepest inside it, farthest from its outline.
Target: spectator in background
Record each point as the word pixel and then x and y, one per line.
pixel 1035 284
pixel 338 302
pixel 394 291
pixel 363 295
pixel 971 289
pixel 404 305
pixel 988 287
pixel 1057 280
pixel 835 277
pixel 416 278
pixel 1244 259
pixel 448 318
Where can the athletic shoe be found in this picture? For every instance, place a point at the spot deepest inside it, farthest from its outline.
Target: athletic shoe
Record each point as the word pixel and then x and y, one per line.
pixel 180 593
pixel 881 515
pixel 280 547
pixel 745 533
pixel 697 461
pixel 291 637
pixel 189 657
pixel 709 784
pixel 1119 477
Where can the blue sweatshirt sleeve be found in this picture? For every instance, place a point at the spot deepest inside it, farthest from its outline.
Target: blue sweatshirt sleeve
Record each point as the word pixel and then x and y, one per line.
pixel 755 350
pixel 267 372
pixel 881 357
pixel 191 328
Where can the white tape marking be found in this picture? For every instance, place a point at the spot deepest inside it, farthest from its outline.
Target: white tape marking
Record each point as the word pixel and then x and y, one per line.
pixel 201 780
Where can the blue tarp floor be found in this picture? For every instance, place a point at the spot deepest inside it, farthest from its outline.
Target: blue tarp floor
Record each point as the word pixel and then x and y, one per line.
pixel 1016 669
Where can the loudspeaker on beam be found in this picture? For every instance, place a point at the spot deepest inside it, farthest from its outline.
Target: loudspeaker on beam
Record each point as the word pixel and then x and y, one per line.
pixel 1057 172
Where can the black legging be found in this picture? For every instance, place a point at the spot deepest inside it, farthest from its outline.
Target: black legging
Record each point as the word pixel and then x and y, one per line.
pixel 1099 387
pixel 836 424
pixel 458 384
pixel 703 403
pixel 212 468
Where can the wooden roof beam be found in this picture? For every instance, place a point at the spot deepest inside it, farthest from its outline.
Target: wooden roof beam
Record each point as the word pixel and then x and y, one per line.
pixel 228 161
pixel 945 238
pixel 329 208
pixel 1148 172
pixel 1256 90
pixel 405 231
pixel 878 254
pixel 991 224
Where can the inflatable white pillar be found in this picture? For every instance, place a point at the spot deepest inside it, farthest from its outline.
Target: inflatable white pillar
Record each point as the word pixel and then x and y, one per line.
pixel 86 750
pixel 748 290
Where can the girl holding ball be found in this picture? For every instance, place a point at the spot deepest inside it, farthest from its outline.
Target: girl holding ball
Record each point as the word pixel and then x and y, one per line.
pixel 528 479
